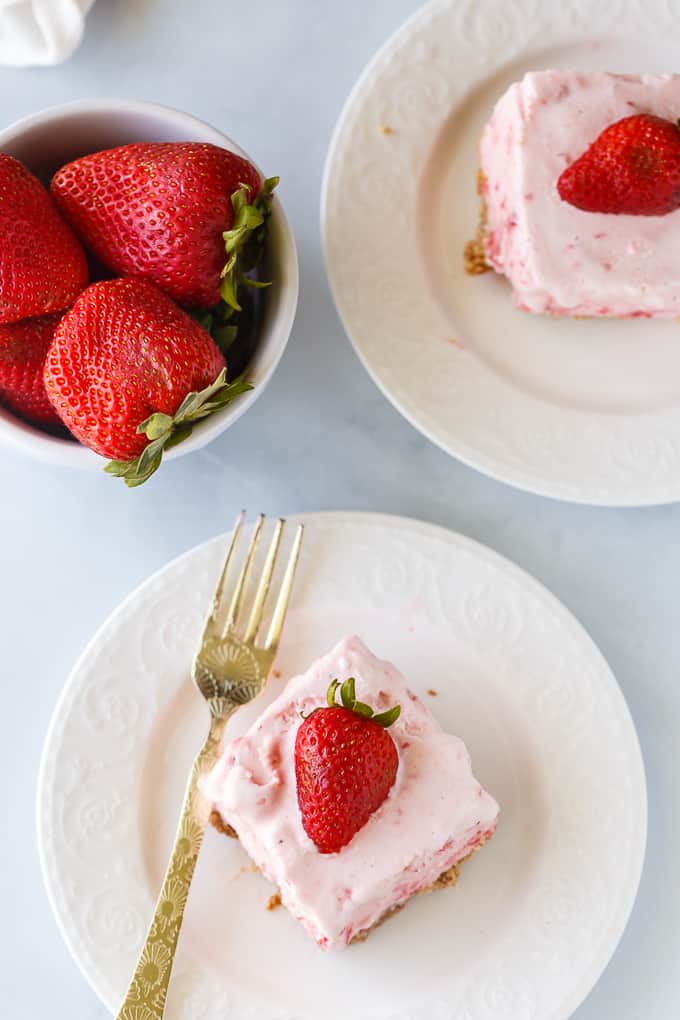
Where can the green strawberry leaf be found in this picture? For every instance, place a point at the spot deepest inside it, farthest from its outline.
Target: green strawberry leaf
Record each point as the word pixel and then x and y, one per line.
pixel 156 426
pixel 244 243
pixel 248 281
pixel 216 322
pixel 349 700
pixel 203 316
pixel 180 432
pixel 224 336
pixel 330 694
pixel 228 285
pixel 365 711
pixel 347 692
pixel 117 468
pixel 148 462
pixel 386 719
pixel 164 431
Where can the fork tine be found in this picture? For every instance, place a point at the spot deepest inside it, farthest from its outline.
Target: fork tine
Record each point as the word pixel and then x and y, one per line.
pixel 281 606
pixel 211 621
pixel 237 597
pixel 265 581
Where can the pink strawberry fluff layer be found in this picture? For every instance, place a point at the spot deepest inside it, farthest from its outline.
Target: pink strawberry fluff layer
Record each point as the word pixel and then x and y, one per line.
pixel 560 259
pixel 435 814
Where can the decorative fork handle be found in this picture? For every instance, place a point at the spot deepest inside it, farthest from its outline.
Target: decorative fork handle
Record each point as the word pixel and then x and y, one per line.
pixel 145 998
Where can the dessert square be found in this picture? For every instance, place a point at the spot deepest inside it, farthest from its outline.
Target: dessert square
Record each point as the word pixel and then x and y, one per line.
pixel 558 258
pixel 435 815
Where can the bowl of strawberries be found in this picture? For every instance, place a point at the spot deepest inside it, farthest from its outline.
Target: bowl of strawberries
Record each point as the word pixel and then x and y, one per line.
pixel 148 285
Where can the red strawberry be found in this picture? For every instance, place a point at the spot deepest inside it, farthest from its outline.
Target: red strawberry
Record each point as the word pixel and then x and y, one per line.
pixel 42 266
pixel 123 372
pixel 172 212
pixel 632 167
pixel 345 765
pixel 23 347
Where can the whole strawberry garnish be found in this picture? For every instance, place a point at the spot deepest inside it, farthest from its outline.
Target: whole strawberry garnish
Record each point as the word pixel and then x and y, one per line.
pixel 42 265
pixel 181 214
pixel 23 348
pixel 130 373
pixel 345 765
pixel 633 167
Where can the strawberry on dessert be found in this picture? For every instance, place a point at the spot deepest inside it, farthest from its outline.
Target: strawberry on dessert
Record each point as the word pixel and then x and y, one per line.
pixel 350 809
pixel 180 214
pixel 42 266
pixel 130 373
pixel 633 167
pixel 345 765
pixel 580 184
pixel 23 349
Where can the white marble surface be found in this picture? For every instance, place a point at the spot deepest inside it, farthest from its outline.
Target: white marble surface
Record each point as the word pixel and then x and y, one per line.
pixel 322 437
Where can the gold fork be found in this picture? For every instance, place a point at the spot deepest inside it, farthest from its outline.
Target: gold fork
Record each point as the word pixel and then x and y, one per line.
pixel 229 670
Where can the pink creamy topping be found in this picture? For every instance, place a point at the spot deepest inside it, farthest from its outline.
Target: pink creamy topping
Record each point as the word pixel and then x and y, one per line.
pixel 434 815
pixel 560 259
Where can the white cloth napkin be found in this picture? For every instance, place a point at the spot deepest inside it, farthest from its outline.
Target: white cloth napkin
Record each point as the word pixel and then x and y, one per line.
pixel 40 31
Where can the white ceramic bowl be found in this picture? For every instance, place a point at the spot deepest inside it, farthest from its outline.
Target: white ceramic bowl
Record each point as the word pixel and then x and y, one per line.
pixel 49 139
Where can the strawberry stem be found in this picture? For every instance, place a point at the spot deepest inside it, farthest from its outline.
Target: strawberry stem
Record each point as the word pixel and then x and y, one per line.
pixel 244 243
pixel 165 431
pixel 348 698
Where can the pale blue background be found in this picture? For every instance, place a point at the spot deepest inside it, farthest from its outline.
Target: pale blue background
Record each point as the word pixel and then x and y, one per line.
pixel 274 76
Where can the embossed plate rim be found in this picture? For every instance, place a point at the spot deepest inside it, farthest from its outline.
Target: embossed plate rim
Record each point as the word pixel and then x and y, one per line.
pixel 582 457
pixel 342 530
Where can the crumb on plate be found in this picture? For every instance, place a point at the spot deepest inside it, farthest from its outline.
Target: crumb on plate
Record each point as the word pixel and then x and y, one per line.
pixel 221 826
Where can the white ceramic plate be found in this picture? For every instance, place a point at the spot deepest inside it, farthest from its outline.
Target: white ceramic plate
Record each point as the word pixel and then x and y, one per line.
pixel 584 410
pixel 536 915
